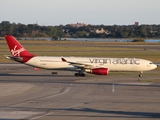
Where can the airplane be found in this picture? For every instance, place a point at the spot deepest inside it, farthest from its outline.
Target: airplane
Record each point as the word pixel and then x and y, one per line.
pixel 99 66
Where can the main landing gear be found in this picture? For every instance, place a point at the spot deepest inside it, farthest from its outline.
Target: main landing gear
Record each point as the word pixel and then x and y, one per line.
pixel 79 74
pixel 54 73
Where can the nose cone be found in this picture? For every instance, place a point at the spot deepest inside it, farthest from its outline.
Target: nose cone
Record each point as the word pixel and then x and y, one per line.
pixel 154 66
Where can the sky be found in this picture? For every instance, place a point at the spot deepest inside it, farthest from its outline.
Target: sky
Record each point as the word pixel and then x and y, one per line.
pixel 94 12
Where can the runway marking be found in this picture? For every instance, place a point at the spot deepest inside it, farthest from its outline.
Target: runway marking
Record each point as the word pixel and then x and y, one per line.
pixel 62 109
pixel 41 116
pixel 16 114
pixel 49 97
pixel 53 112
pixel 42 98
pixel 113 88
pixel 60 93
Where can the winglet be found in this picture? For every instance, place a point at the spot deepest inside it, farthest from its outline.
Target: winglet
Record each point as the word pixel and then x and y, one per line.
pixel 64 60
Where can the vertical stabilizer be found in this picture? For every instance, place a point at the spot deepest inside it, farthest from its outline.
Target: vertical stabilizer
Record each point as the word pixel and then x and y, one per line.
pixel 17 50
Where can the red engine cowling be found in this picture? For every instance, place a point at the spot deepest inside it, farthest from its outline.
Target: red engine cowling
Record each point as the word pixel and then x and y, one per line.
pixel 100 71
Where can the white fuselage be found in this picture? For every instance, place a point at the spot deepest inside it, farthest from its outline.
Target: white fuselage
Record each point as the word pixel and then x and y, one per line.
pixel 113 64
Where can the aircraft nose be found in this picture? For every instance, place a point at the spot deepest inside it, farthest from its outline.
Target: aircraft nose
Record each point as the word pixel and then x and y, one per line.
pixel 155 66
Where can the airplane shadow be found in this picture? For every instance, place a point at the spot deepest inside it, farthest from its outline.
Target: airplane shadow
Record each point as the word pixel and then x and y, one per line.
pixel 114 114
pixel 37 75
pixel 7 119
pixel 89 112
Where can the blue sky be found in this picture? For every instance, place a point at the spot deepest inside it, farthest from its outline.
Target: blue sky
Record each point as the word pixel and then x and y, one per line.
pixel 95 12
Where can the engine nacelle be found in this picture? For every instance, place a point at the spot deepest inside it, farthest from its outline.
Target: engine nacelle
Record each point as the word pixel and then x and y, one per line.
pixel 98 71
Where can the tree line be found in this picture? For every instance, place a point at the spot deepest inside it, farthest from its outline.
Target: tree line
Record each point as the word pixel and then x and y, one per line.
pixel 88 31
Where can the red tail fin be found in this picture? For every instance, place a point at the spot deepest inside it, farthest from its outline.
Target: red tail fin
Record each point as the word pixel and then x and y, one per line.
pixel 17 50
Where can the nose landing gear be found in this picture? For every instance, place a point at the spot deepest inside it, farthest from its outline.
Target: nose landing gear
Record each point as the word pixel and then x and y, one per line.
pixel 141 74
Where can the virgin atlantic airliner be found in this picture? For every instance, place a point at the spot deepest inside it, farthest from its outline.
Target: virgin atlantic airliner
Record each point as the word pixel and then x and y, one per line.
pixel 99 66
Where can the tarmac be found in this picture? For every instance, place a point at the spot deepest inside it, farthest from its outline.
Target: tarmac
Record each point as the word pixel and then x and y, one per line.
pixel 26 94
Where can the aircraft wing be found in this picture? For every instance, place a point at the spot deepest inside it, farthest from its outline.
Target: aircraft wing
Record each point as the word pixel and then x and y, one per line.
pixel 79 65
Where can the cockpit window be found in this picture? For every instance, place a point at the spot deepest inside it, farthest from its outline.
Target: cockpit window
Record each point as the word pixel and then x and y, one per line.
pixel 150 63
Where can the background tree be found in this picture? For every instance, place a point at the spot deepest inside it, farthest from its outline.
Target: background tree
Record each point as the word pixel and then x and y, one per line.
pixel 115 31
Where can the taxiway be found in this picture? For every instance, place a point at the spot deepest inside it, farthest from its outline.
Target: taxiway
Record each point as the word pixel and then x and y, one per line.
pixel 39 95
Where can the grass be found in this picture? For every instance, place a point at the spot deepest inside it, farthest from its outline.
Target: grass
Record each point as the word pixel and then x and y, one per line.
pixel 85 49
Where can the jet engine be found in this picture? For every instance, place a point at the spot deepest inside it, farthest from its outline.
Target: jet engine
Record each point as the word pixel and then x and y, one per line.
pixel 98 71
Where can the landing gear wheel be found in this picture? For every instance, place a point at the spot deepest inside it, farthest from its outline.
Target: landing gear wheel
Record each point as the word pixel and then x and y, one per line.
pixel 83 75
pixel 55 73
pixel 76 74
pixel 79 74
